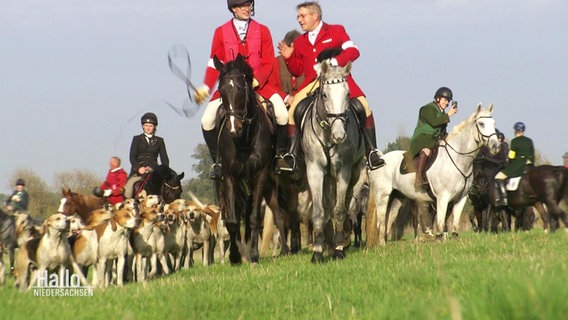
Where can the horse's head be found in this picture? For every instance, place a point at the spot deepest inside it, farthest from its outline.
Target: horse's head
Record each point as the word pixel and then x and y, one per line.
pixel 485 129
pixel 334 95
pixel 67 205
pixel 172 189
pixel 235 86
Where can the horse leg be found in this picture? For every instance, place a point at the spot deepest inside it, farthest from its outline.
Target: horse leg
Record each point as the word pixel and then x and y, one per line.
pixel 457 211
pixel 319 219
pixel 343 194
pixel 441 211
pixel 381 203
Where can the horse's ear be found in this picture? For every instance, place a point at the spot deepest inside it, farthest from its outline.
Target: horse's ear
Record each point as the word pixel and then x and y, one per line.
pixel 479 107
pixel 491 107
pixel 217 63
pixel 181 176
pixel 348 68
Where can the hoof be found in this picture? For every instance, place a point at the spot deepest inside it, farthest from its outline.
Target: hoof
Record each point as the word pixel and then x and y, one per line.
pixel 338 254
pixel 317 257
pixel 455 235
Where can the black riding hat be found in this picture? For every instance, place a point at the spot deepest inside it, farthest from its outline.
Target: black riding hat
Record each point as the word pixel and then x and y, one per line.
pixel 149 117
pixel 20 182
pixel 444 92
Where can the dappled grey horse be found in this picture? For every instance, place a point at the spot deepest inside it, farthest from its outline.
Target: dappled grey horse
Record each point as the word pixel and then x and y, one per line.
pixel 333 150
pixel 450 175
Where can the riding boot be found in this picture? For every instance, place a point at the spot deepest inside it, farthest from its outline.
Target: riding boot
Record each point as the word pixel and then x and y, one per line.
pixel 500 193
pixel 281 147
pixel 288 162
pixel 210 136
pixel 374 159
pixel 420 179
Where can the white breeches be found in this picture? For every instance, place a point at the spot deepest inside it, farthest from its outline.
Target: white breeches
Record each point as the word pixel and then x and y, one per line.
pixel 208 118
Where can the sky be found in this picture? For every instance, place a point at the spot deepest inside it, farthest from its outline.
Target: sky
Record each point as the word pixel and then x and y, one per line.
pixel 78 75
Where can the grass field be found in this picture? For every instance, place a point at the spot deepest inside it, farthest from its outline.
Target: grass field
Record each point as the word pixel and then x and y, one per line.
pixel 478 276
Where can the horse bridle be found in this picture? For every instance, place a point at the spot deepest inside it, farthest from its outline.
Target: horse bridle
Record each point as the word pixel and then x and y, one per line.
pixel 483 140
pixel 242 117
pixel 343 116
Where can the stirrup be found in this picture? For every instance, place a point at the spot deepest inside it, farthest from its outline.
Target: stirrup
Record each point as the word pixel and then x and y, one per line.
pixel 374 160
pixel 287 164
pixel 216 171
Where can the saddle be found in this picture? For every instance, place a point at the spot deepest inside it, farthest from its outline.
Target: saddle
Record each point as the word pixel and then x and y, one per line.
pixel 268 109
pixel 409 163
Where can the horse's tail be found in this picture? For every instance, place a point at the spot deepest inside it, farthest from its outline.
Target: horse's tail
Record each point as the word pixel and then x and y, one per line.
pixel 372 238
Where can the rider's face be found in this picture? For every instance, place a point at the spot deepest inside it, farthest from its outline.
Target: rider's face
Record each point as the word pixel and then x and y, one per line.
pixel 443 103
pixel 149 128
pixel 308 21
pixel 243 11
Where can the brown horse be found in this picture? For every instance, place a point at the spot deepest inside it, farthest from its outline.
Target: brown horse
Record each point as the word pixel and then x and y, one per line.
pixel 81 204
pixel 545 184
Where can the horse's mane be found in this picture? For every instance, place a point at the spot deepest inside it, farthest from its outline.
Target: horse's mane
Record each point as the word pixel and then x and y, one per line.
pixel 456 130
pixel 239 64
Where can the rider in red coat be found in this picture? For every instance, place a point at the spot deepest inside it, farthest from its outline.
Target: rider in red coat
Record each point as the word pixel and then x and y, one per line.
pixel 113 187
pixel 301 57
pixel 241 35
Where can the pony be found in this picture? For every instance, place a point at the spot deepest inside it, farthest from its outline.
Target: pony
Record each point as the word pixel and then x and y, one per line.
pixel 543 187
pixel 450 175
pixel 162 181
pixel 484 169
pixel 246 135
pixel 333 150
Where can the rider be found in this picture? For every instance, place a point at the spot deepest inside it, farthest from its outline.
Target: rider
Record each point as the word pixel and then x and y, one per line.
pixel 19 200
pixel 431 126
pixel 300 59
pixel 253 41
pixel 144 151
pixel 113 186
pixel 521 156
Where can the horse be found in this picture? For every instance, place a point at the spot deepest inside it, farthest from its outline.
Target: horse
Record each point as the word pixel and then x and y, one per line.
pixel 81 204
pixel 542 186
pixel 450 175
pixel 484 169
pixel 162 181
pixel 247 137
pixel 8 240
pixel 333 149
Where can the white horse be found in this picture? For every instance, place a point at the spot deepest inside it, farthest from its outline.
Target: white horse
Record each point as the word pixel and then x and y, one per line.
pixel 450 176
pixel 333 151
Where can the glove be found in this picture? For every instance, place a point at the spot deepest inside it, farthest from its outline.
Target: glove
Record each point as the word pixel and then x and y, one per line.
pixel 107 192
pixel 254 83
pixel 201 94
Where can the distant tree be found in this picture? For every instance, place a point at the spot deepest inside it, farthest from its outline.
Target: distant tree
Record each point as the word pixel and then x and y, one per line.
pixel 43 201
pixel 401 143
pixel 202 186
pixel 80 181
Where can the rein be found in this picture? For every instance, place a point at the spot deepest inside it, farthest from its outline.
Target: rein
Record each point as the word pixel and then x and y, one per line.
pixel 325 124
pixel 482 141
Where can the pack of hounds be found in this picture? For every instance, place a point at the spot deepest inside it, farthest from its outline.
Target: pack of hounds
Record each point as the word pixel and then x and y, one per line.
pixel 132 241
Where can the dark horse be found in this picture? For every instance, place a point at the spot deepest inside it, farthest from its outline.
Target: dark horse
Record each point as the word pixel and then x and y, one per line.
pixel 162 181
pixel 542 185
pixel 7 240
pixel 246 140
pixel 484 170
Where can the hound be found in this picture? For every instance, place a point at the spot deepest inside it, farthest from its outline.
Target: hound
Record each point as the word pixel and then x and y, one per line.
pixel 198 232
pixel 84 243
pixel 47 253
pixel 143 241
pixel 175 238
pixel 113 245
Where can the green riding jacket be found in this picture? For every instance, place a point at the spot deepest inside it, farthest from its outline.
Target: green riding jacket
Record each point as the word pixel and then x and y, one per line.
pixel 521 153
pixel 431 125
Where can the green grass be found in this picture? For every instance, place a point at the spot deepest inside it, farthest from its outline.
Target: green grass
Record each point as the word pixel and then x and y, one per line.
pixel 478 276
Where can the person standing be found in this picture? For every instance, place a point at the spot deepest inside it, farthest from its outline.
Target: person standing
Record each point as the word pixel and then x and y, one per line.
pixel 300 58
pixel 113 186
pixel 245 36
pixel 521 156
pixel 19 200
pixel 430 127
pixel 144 152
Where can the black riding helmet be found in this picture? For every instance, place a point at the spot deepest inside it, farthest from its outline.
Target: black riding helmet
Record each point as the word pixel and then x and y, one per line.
pixel 149 117
pixel 235 3
pixel 444 92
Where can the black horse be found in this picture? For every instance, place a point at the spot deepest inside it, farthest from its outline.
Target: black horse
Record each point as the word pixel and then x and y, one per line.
pixel 164 182
pixel 246 139
pixel 542 185
pixel 484 171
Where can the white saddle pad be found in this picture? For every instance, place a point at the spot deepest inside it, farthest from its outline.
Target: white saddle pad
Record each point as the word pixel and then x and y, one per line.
pixel 513 184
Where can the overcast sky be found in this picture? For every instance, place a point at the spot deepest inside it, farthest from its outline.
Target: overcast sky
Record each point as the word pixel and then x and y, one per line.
pixel 77 75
